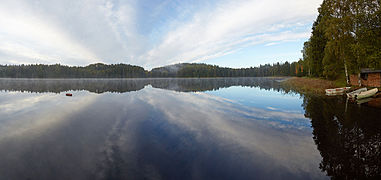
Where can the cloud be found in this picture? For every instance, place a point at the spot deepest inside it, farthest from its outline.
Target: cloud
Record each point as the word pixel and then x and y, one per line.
pixel 69 32
pixel 230 26
pixel 29 38
pixel 78 32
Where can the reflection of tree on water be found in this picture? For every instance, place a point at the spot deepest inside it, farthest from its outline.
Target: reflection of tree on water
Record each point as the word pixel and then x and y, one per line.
pixel 349 140
pixel 207 84
pixel 127 85
pixel 61 85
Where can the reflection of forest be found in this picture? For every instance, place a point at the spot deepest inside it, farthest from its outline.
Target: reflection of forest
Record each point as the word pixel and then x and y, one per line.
pixel 61 85
pixel 348 137
pixel 126 85
pixel 206 84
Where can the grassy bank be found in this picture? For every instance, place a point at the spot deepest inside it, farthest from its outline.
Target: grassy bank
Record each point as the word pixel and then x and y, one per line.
pixel 310 85
pixel 316 85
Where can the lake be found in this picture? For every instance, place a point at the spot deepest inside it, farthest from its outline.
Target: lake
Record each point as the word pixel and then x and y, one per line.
pixel 213 128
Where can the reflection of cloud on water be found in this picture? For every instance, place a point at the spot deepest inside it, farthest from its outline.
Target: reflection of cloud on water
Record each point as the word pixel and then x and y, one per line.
pixel 281 118
pixel 271 108
pixel 31 114
pixel 252 129
pixel 146 131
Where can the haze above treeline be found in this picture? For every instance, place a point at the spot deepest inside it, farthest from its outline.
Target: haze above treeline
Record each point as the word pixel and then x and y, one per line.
pixel 101 70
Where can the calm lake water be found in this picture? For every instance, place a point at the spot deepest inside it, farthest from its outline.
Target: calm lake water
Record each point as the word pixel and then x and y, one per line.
pixel 224 128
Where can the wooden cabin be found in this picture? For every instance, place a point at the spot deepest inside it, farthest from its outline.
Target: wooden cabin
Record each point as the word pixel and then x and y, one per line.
pixel 366 77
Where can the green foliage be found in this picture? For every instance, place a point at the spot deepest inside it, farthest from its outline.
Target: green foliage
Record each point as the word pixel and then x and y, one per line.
pixel 346 34
pixel 100 70
pixel 315 48
pixel 205 70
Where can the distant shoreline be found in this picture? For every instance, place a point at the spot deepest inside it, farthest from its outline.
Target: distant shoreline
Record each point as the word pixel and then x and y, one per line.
pixel 309 85
pixel 284 78
pixel 184 70
pixel 127 85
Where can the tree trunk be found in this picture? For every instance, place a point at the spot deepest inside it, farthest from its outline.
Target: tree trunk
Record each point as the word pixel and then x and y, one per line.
pixel 346 72
pixel 359 77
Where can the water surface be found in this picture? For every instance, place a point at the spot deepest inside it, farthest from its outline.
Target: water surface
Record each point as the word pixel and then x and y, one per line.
pixel 222 128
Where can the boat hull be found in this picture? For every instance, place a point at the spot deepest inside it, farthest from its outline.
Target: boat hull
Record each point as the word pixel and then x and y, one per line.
pixel 353 94
pixel 336 91
pixel 367 94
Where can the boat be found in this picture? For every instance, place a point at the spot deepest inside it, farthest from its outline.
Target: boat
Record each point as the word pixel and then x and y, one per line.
pixel 367 94
pixel 69 94
pixel 353 94
pixel 336 91
pixel 365 100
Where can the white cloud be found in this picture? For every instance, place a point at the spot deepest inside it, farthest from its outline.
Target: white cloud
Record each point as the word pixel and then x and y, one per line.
pixel 78 32
pixel 28 37
pixel 69 32
pixel 231 26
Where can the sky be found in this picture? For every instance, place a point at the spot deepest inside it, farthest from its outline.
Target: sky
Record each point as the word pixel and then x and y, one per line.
pixel 152 33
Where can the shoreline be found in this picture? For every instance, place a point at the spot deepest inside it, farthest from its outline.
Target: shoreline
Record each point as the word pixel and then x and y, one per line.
pixel 309 85
pixel 315 86
pixel 135 78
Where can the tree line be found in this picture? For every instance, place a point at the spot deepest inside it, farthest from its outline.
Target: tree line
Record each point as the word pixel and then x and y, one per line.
pixel 205 70
pixel 100 70
pixel 346 37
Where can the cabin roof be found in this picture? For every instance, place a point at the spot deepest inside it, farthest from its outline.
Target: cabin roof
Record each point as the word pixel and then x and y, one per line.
pixel 366 71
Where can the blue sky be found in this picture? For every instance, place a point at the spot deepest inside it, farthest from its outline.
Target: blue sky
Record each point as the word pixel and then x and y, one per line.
pixel 151 33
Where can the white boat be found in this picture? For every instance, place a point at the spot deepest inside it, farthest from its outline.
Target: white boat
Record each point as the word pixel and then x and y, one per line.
pixel 336 91
pixel 353 94
pixel 367 94
pixel 362 101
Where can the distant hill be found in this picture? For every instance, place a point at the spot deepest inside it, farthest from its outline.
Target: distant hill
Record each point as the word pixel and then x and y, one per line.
pixel 167 71
pixel 207 70
pixel 200 70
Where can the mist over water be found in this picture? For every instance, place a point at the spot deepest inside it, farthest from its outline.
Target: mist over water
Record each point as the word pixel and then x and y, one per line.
pixel 216 128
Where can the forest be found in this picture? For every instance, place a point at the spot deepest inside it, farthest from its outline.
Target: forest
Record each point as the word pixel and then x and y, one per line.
pixel 205 70
pixel 100 70
pixel 346 37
